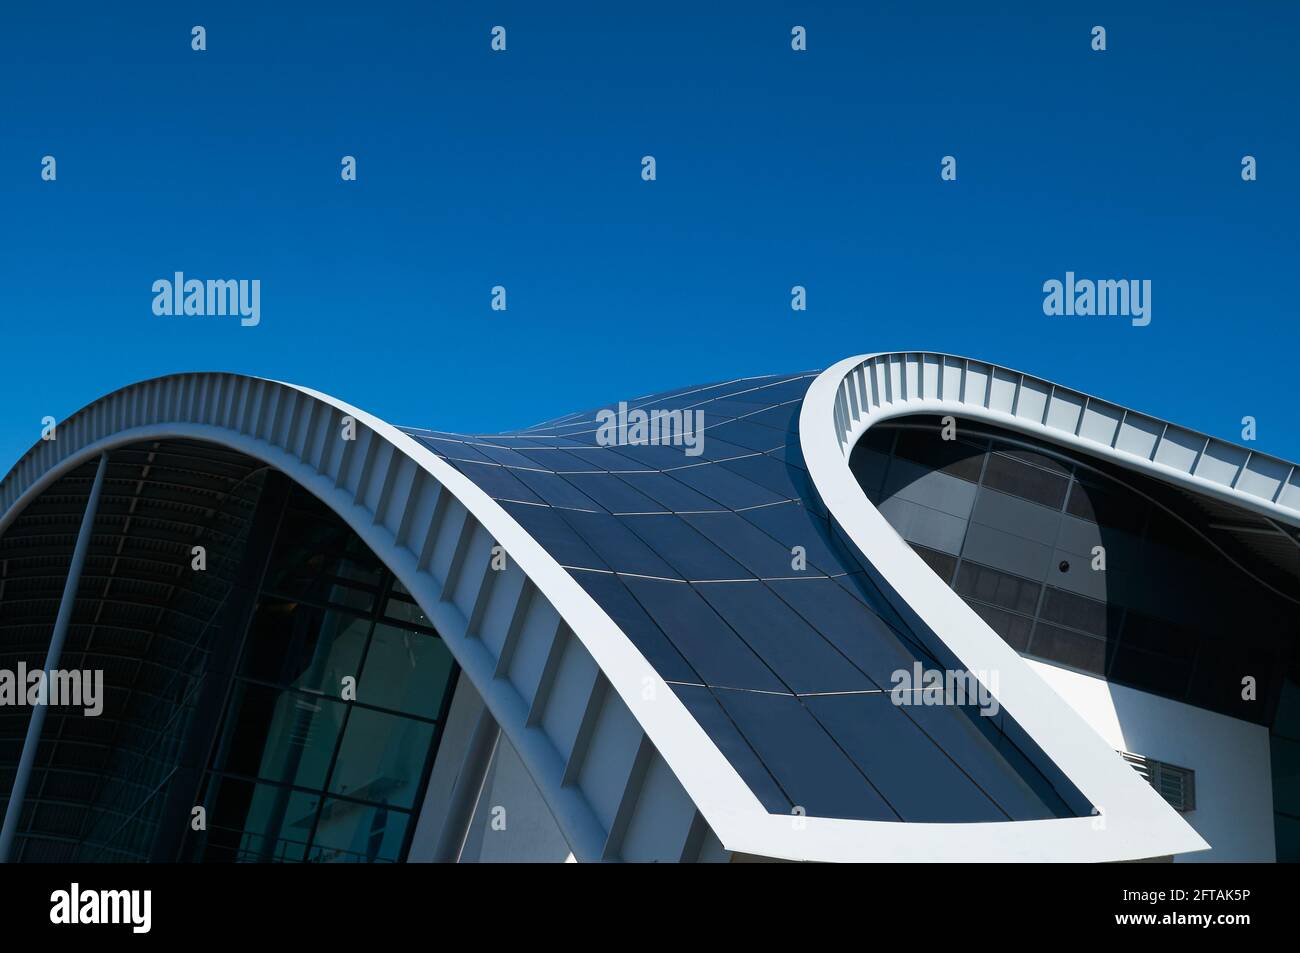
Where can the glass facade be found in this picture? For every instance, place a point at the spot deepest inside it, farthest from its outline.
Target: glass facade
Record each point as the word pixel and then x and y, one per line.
pixel 1081 564
pixel 290 687
pixel 106 788
pixel 300 702
pixel 335 709
pixel 1178 610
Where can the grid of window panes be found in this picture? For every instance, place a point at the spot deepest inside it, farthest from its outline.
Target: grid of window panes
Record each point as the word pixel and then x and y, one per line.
pixel 334 716
pixel 724 570
pixel 1011 526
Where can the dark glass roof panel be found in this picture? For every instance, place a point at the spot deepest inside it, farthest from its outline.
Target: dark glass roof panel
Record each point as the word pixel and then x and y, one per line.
pixel 811 768
pixel 688 551
pixel 911 772
pixel 697 632
pixel 803 660
pixel 787 669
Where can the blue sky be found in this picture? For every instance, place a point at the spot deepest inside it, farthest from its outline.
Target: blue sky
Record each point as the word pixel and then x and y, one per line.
pixel 522 169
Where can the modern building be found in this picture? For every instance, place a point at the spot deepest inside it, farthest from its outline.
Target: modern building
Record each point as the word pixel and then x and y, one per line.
pixel 913 607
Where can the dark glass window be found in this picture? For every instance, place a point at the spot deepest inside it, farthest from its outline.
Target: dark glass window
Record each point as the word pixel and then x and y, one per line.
pixel 1078 612
pixel 879 439
pixel 954 457
pixel 1074 649
pixel 1154 672
pixel 1106 507
pixel 404 610
pixel 1173 609
pixel 1034 459
pixel 381 758
pixel 997 588
pixel 1159 636
pixel 304 647
pixel 278 735
pixel 351 832
pixel 250 822
pixel 1025 480
pixel 1014 629
pixel 405 671
pixel 319 565
pixel 334 716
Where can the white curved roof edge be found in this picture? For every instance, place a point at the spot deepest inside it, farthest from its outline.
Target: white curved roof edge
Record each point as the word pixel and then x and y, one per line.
pixel 860 392
pixel 264 425
pixel 874 387
pixel 1134 824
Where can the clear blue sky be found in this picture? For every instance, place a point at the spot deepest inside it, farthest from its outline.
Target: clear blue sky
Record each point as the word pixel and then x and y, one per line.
pixel 522 169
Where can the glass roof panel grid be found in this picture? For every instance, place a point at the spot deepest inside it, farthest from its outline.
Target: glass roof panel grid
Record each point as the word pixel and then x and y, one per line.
pixel 497 481
pixel 559 461
pixel 648 457
pixel 748 545
pixel 853 628
pixel 791 523
pixel 783 418
pixel 556 490
pixel 774 475
pixel 618 459
pixel 731 489
pixel 503 455
pixel 823 631
pixel 669 493
pixel 613 493
pixel 753 437
pixel 724 733
pixel 791 455
pixel 726 408
pixel 975 743
pixel 710 448
pixel 548 527
pixel 797 653
pixel 616 544
pixel 811 768
pixel 452 449
pixel 686 550
pixel 609 590
pixel 709 645
pixel 913 773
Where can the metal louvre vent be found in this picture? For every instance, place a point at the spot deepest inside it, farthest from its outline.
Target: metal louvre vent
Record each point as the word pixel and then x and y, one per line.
pixel 1176 785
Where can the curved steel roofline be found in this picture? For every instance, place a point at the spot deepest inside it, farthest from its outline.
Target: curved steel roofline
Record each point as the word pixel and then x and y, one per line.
pixel 875 387
pixel 396 494
pixel 860 392
pixel 365 481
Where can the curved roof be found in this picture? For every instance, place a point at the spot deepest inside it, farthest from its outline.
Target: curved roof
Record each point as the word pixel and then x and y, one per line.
pixel 787 668
pixel 747 605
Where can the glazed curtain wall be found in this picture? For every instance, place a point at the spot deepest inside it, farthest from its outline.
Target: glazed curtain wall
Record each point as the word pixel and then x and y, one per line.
pixel 303 770
pixel 1012 526
pixel 291 687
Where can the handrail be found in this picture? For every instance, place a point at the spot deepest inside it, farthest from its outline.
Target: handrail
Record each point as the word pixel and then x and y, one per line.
pixel 875 387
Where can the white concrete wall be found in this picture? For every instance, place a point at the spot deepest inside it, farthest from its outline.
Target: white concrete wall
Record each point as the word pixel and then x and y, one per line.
pixel 466 706
pixel 512 822
pixel 1234 784
pixel 530 834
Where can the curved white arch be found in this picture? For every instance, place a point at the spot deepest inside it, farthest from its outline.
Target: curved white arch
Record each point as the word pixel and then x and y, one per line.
pixel 875 387
pixel 860 392
pixel 364 480
pixel 396 494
